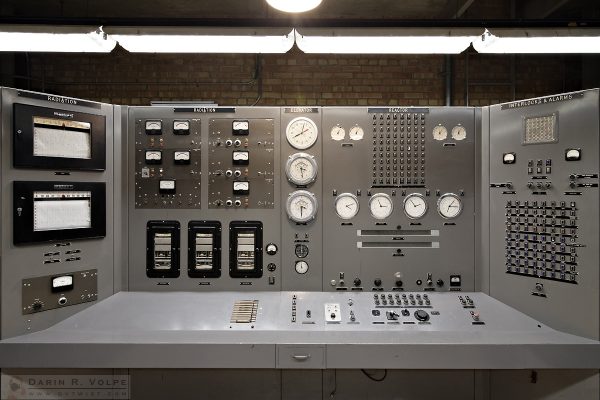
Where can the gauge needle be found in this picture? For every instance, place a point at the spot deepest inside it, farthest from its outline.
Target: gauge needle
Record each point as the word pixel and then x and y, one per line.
pixel 302 172
pixel 348 205
pixel 301 210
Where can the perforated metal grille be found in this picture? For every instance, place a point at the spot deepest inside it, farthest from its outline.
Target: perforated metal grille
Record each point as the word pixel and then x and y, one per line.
pixel 540 129
pixel 244 312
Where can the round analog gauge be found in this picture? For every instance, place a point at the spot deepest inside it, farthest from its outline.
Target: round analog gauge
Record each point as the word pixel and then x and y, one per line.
pixel 301 169
pixel 440 132
pixel 356 133
pixel 338 133
pixel 449 206
pixel 459 133
pixel 381 206
pixel 346 205
pixel 415 206
pixel 301 267
pixel 301 133
pixel 301 206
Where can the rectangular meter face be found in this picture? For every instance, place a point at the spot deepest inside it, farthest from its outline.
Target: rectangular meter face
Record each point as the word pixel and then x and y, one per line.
pixel 62 210
pixel 62 138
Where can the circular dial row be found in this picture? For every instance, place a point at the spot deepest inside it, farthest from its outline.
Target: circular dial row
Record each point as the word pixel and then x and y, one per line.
pixel 338 133
pixel 301 169
pixel 441 133
pixel 381 206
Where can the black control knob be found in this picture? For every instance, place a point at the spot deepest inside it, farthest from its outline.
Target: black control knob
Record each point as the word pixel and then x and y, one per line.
pixel 271 267
pixel 440 282
pixel 37 305
pixel 357 282
pixel 399 283
pixel 419 282
pixel 332 315
pixel 405 312
pixel 377 282
pixel 421 315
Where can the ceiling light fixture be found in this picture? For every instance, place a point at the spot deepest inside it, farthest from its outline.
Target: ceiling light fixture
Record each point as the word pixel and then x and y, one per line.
pixel 30 38
pixel 294 6
pixel 203 40
pixel 539 41
pixel 384 41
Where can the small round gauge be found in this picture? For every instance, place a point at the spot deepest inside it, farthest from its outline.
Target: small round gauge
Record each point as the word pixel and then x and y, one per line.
pixel 181 125
pixel 415 206
pixel 356 133
pixel 381 206
pixel 440 132
pixel 338 133
pixel 301 133
pixel 459 133
pixel 301 169
pixel 301 267
pixel 301 250
pixel 449 206
pixel 301 206
pixel 346 205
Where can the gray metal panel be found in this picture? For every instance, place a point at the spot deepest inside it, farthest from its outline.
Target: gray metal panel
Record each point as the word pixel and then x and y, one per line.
pixel 578 127
pixel 120 222
pixel 19 262
pixel 156 330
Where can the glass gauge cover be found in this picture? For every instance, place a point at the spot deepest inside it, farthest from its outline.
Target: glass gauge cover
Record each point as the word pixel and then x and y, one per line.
pixel 301 169
pixel 346 205
pixel 338 133
pixel 301 133
pixel 459 133
pixel 356 133
pixel 301 267
pixel 415 206
pixel 440 132
pixel 381 206
pixel 301 206
pixel 449 206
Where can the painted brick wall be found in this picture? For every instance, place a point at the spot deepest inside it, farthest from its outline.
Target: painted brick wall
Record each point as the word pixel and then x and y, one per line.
pixel 295 78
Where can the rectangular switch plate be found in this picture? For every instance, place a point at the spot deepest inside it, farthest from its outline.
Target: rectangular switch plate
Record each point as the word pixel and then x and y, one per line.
pixel 38 294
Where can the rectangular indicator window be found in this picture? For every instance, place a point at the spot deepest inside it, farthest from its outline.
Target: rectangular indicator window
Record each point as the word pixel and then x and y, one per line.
pixel 45 211
pixel 162 249
pixel 59 210
pixel 245 249
pixel 62 138
pixel 204 249
pixel 58 139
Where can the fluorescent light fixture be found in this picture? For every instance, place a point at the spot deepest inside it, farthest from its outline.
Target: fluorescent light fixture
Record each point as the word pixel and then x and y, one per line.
pixel 539 41
pixel 203 40
pixel 60 39
pixel 294 6
pixel 385 41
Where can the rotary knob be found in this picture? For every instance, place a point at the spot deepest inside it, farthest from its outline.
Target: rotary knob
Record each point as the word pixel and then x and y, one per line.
pixel 421 315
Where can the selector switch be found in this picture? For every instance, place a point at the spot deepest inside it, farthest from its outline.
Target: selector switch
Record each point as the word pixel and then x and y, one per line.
pixel 422 315
pixel 377 282
pixel 332 312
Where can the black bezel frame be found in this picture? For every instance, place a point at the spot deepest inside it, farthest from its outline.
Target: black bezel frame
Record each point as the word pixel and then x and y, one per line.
pixel 213 227
pixel 245 226
pixel 23 232
pixel 23 140
pixel 153 227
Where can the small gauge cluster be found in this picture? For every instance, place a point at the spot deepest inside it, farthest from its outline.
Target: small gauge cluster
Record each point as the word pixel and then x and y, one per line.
pixel 167 162
pixel 414 205
pixel 458 133
pixel 241 163
pixel 338 133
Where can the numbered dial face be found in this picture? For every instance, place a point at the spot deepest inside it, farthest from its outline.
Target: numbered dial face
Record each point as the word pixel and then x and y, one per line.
pixel 356 133
pixel 381 206
pixel 181 125
pixel 338 133
pixel 301 169
pixel 301 267
pixel 301 206
pixel 346 206
pixel 459 133
pixel 415 206
pixel 440 132
pixel 449 206
pixel 301 133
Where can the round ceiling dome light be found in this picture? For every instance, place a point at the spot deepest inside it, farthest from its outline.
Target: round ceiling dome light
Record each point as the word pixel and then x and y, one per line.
pixel 294 6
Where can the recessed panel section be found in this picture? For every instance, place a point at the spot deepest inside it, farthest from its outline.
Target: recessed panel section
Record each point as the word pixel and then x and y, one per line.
pixel 245 249
pixel 58 139
pixel 162 249
pixel 241 155
pixel 49 211
pixel 204 249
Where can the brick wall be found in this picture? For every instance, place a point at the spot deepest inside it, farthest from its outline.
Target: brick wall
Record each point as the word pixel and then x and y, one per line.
pixel 295 78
